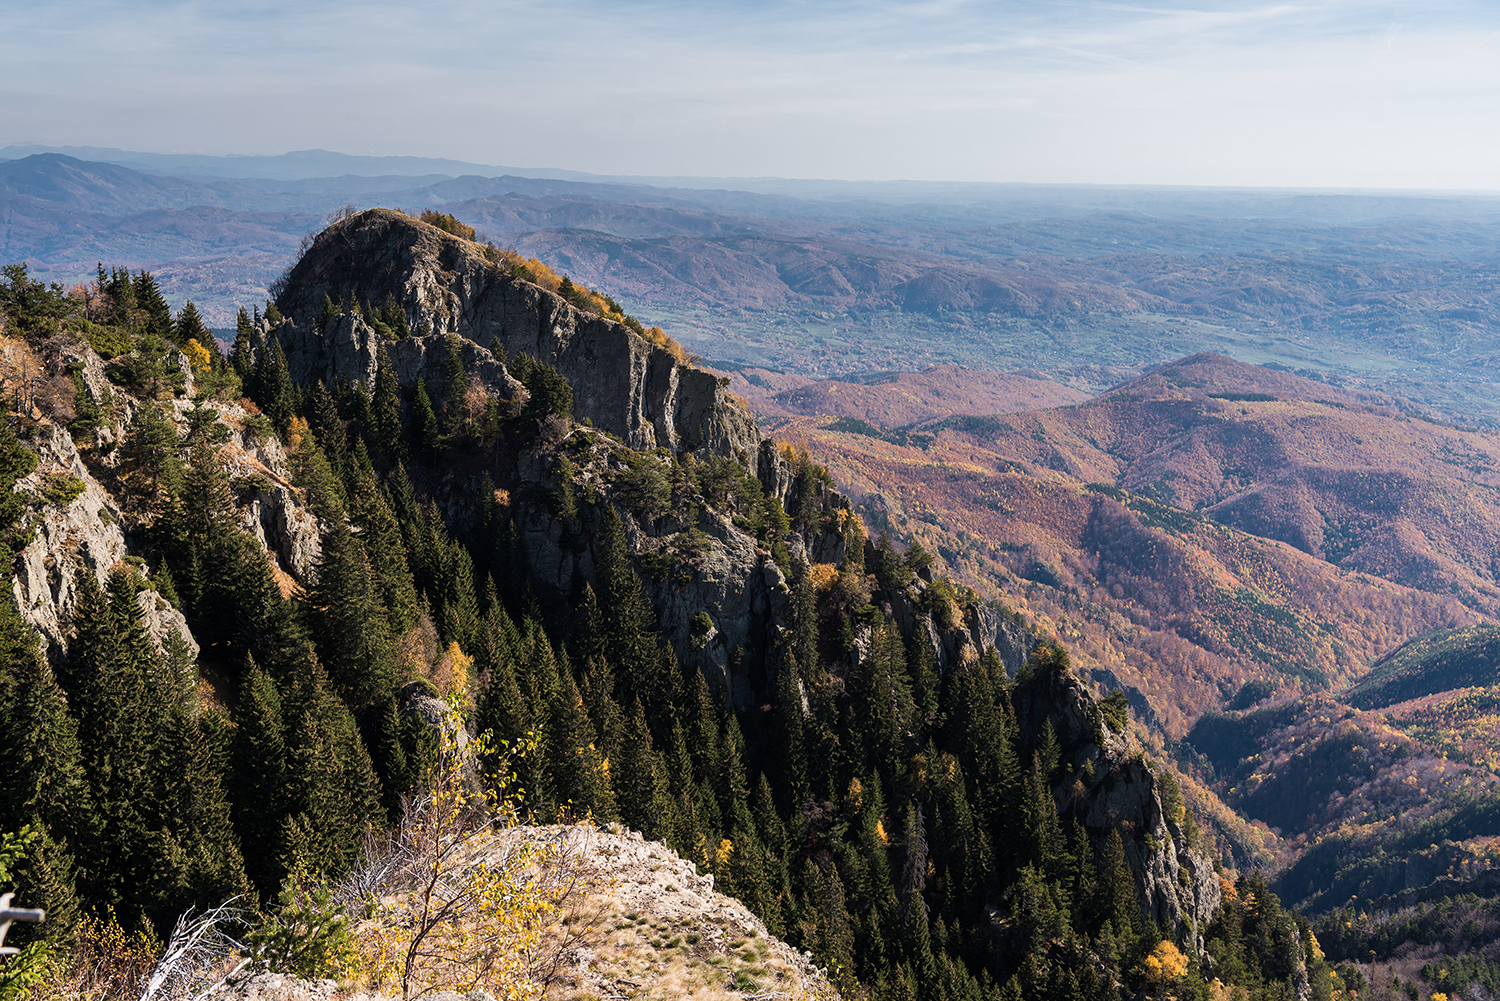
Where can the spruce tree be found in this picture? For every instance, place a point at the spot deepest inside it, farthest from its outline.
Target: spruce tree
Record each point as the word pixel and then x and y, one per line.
pixel 151 452
pixel 642 791
pixel 148 298
pixel 327 427
pixel 455 389
pixel 43 778
pixel 189 327
pixel 385 412
pixel 242 354
pixel 258 783
pixel 349 619
pixel 381 536
pixel 332 791
pixel 425 434
pixel 577 774
pixel 788 738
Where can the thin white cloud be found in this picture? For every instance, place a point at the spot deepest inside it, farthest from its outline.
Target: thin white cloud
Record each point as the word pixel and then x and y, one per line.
pixel 1324 92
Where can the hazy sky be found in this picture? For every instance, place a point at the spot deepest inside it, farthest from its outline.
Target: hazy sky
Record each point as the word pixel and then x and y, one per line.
pixel 1339 93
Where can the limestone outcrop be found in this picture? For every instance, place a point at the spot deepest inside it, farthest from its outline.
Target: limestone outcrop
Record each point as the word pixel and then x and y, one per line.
pixel 1109 786
pixel 94 531
pixel 621 382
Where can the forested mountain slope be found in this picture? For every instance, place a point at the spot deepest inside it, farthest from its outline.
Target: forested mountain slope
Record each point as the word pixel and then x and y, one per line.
pixel 425 490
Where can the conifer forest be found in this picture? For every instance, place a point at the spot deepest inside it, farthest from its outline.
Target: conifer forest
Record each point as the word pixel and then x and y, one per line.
pixel 683 631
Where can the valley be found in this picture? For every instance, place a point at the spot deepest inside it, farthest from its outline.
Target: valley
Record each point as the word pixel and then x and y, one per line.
pixel 1259 597
pixel 1291 581
pixel 1091 286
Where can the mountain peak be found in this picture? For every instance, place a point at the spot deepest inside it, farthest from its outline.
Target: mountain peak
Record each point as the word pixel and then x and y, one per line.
pixel 440 284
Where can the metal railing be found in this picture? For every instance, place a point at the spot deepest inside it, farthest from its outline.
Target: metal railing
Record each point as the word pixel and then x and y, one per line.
pixel 30 915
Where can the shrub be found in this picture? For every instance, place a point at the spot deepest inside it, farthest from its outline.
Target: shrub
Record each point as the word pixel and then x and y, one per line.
pixel 62 489
pixel 702 623
pixel 448 224
pixel 644 489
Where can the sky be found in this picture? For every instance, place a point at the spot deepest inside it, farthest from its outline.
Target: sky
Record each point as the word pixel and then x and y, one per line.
pixel 1324 93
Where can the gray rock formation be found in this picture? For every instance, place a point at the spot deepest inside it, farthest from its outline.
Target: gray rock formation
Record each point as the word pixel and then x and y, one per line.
pixel 1109 787
pixel 288 530
pixel 84 536
pixel 161 619
pixel 347 349
pixel 621 381
pixel 720 570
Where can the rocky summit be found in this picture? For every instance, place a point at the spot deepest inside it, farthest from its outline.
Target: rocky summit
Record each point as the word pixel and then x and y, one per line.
pixel 444 285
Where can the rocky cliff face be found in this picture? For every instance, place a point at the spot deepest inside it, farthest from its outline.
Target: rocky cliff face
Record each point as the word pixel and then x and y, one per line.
pixel 95 531
pixel 445 285
pixel 1108 786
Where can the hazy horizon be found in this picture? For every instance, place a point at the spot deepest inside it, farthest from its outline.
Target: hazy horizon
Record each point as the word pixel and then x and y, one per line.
pixel 1329 94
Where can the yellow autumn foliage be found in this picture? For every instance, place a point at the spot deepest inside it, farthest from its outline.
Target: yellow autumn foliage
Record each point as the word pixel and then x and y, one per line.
pixel 296 434
pixel 465 902
pixel 1165 963
pixel 823 576
pixel 198 356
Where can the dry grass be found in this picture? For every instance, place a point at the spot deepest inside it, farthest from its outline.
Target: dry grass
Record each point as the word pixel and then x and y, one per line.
pixel 647 925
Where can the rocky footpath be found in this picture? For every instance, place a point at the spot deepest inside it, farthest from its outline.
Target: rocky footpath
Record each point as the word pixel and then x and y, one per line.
pixel 642 923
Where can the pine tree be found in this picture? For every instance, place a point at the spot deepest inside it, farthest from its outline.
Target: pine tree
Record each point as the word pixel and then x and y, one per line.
pixel 641 672
pixel 1124 908
pixel 457 607
pixel 788 739
pixel 349 619
pixel 189 327
pixel 332 790
pixel 385 412
pixel 643 793
pixel 258 784
pixel 578 776
pixel 455 388
pixel 913 886
pixel 43 781
pixel 278 397
pixel 1046 847
pixel 264 626
pixel 242 354
pixel 324 422
pixel 199 815
pixel 425 435
pixel 381 535
pixel 884 702
pixel 151 452
pixel 148 298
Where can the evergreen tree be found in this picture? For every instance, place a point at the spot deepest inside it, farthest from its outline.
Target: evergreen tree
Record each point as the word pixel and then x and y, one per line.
pixel 349 619
pixel 644 796
pixel 259 780
pixel 381 535
pixel 151 452
pixel 1123 906
pixel 242 354
pixel 277 396
pixel 788 738
pixel 384 435
pixel 425 435
pixel 324 422
pixel 189 327
pixel 578 776
pixel 455 389
pixel 157 315
pixel 331 788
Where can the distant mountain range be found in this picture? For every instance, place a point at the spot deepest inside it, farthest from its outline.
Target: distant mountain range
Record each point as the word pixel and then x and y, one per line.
pixel 1389 292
